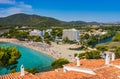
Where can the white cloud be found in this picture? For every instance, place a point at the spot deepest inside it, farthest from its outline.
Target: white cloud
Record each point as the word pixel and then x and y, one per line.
pixel 23 5
pixel 9 11
pixel 18 7
pixel 7 2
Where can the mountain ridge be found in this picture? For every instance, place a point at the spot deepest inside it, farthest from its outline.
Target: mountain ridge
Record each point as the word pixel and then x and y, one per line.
pixel 37 20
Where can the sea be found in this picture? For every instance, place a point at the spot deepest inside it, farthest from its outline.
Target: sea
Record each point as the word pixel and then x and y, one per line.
pixel 30 58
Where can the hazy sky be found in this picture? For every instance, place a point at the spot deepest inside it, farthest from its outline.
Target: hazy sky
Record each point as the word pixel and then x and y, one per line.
pixel 66 10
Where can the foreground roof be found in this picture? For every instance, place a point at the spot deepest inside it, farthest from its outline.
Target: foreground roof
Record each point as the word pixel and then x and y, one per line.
pixel 93 63
pixel 16 75
pixel 102 71
pixel 106 73
pixel 62 75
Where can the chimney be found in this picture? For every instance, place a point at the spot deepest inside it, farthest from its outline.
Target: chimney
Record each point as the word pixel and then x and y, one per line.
pixel 113 56
pixel 22 70
pixel 64 70
pixel 78 61
pixel 107 59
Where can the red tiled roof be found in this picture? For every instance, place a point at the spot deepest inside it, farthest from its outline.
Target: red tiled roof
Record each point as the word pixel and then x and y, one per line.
pixel 116 62
pixel 47 75
pixel 62 75
pixel 104 72
pixel 107 73
pixel 17 76
pixel 88 63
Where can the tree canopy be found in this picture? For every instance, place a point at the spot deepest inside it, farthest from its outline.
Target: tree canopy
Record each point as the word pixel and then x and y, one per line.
pixel 9 57
pixel 59 63
pixel 32 70
pixel 94 54
pixel 117 37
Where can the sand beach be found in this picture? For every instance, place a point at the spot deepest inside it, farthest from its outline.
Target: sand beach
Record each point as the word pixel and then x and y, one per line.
pixel 55 51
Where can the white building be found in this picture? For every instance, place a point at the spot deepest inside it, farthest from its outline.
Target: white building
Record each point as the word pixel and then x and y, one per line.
pixel 49 31
pixel 71 34
pixel 35 33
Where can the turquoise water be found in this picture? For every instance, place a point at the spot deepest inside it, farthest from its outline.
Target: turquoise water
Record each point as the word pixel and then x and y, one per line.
pixel 103 41
pixel 30 58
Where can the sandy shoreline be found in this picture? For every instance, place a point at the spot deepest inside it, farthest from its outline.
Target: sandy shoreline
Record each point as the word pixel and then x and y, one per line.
pixel 55 51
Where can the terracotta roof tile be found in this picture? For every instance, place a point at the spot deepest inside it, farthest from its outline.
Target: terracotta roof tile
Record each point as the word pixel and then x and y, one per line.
pixel 17 76
pixel 104 72
pixel 116 62
pixel 62 75
pixel 89 63
pixel 107 73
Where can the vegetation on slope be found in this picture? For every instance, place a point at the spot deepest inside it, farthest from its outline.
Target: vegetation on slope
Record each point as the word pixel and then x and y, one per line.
pixel 59 63
pixel 117 37
pixel 36 20
pixel 24 19
pixel 8 58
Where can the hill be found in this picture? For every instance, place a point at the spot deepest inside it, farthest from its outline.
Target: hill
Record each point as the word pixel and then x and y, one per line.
pixel 36 20
pixel 24 19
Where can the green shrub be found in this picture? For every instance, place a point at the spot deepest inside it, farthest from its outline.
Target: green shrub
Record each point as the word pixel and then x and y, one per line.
pixel 93 55
pixel 117 37
pixel 13 70
pixel 9 57
pixel 59 63
pixel 67 41
pixel 32 70
pixel 102 48
pixel 82 55
pixel 117 53
pixel 75 54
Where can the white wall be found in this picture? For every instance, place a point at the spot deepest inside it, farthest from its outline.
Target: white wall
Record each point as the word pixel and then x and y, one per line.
pixel 69 68
pixel 35 33
pixel 71 34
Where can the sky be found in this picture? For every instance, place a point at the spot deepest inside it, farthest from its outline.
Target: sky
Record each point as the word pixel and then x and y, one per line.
pixel 65 10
